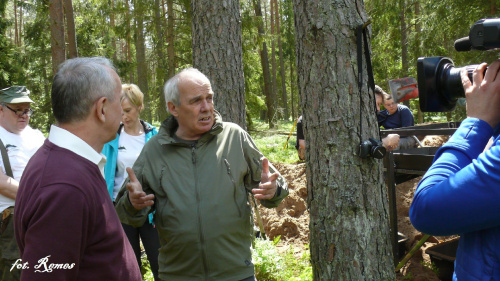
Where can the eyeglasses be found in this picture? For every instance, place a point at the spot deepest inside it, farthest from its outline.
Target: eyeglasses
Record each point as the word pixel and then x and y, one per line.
pixel 20 113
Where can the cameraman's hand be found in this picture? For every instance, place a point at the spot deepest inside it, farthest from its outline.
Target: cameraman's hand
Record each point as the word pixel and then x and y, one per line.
pixel 483 97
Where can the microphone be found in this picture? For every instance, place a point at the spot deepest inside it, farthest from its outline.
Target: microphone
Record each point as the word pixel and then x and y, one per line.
pixel 463 44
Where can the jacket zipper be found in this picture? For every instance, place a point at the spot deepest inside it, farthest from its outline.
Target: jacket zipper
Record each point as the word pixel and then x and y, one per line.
pixel 234 185
pixel 198 201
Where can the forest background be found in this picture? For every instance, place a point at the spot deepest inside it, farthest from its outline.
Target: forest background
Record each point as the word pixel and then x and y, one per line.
pixel 401 31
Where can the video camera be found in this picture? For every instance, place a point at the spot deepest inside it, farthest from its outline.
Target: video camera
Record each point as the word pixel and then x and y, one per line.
pixel 439 82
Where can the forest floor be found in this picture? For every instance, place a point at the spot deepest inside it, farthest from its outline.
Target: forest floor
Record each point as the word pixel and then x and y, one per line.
pixel 291 219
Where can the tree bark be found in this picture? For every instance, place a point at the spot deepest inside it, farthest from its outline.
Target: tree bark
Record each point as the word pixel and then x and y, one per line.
pixel 282 64
pixel 129 39
pixel 274 91
pixel 349 221
pixel 57 33
pixel 404 44
pixel 16 32
pixel 266 72
pixel 217 52
pixel 420 114
pixel 140 56
pixel 112 25
pixel 171 38
pixel 70 23
pixel 161 70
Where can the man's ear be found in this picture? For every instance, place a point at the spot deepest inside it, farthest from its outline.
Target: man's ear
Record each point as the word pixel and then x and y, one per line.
pixel 172 108
pixel 101 107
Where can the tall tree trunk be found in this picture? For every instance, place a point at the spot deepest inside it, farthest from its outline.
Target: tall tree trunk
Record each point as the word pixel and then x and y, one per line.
pixel 70 23
pixel 265 65
pixel 217 52
pixel 349 221
pixel 57 33
pixel 162 67
pixel 420 114
pixel 294 114
pixel 404 44
pixel 493 7
pixel 112 25
pixel 274 91
pixel 129 40
pixel 16 31
pixel 140 56
pixel 170 38
pixel 282 64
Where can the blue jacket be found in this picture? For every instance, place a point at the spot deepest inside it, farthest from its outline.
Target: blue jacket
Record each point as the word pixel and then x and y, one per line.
pixel 460 194
pixel 110 150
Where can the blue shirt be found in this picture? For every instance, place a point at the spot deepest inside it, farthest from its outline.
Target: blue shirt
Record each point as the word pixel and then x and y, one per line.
pixel 401 118
pixel 460 194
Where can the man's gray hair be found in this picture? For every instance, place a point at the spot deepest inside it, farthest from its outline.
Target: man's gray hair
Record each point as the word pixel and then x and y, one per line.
pixel 171 88
pixel 78 83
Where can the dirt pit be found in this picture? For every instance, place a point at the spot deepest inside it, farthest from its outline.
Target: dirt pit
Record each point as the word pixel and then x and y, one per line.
pixel 290 220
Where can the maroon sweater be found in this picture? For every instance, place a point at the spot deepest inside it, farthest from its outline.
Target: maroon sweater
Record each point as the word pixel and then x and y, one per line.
pixel 65 223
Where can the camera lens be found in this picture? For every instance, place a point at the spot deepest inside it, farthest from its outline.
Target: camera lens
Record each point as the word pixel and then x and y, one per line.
pixel 440 84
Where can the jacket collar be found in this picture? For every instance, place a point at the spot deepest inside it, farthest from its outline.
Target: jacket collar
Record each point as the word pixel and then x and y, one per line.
pixel 170 125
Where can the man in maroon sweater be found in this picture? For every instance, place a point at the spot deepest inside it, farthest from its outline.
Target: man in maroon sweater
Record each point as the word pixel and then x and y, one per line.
pixel 65 223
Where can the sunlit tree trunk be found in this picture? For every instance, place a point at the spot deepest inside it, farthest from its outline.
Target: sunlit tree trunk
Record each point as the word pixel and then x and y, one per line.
pixel 265 65
pixel 170 38
pixel 57 33
pixel 274 91
pixel 112 26
pixel 282 64
pixel 140 56
pixel 217 52
pixel 70 22
pixel 161 71
pixel 349 221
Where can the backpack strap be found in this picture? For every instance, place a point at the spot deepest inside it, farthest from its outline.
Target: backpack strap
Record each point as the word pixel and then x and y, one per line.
pixel 5 158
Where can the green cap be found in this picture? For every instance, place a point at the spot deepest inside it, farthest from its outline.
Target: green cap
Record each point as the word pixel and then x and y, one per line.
pixel 15 94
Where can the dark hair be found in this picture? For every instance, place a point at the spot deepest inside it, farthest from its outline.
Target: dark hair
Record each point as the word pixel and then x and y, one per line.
pixel 78 83
pixel 381 92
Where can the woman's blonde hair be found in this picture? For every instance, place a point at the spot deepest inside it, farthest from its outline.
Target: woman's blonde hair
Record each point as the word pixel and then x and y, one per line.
pixel 134 95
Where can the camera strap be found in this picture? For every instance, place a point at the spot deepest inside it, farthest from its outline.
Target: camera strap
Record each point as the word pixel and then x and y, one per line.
pixel 361 34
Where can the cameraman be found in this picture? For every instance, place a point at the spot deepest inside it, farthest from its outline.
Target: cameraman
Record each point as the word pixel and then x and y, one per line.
pixel 460 193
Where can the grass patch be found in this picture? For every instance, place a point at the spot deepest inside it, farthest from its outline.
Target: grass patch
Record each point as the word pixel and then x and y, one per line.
pixel 272 143
pixel 271 265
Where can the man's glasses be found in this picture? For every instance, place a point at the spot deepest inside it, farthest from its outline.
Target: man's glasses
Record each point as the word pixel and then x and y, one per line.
pixel 20 113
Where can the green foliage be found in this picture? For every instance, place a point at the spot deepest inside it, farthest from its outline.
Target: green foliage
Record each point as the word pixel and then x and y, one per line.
pixel 272 264
pixel 272 142
pixel 431 266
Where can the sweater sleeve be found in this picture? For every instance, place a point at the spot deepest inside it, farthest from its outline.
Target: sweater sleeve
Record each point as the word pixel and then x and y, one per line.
pixel 56 234
pixel 460 191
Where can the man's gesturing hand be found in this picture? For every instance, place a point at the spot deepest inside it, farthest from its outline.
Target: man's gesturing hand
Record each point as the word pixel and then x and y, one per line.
pixel 267 186
pixel 136 195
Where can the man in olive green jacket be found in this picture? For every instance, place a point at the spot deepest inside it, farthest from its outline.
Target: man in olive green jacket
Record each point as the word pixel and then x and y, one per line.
pixel 197 173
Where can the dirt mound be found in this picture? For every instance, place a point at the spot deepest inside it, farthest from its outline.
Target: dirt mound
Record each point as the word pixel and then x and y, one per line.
pixel 290 219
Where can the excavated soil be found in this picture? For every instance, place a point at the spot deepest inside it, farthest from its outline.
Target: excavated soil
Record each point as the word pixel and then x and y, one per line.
pixel 291 219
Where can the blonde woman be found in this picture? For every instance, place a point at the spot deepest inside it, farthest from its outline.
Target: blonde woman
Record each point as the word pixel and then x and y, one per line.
pixel 122 152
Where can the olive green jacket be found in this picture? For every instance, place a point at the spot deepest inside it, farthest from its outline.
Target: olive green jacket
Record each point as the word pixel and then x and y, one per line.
pixel 203 215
